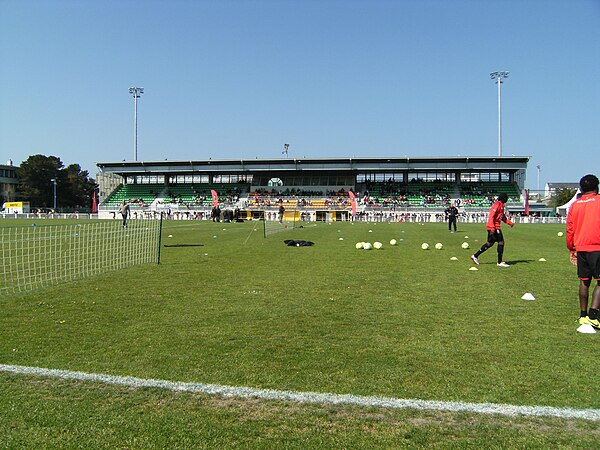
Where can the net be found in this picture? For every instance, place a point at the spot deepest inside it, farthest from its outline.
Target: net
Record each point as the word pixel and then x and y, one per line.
pixel 275 223
pixel 39 256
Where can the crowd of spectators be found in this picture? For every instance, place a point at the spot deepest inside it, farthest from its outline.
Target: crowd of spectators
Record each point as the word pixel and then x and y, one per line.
pixel 479 195
pixel 390 195
pixel 198 199
pixel 139 202
pixel 299 198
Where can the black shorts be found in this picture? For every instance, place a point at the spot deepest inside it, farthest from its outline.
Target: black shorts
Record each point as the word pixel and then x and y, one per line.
pixel 495 236
pixel 588 265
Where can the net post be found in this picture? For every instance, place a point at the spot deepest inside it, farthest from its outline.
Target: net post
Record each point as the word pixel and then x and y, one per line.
pixel 159 236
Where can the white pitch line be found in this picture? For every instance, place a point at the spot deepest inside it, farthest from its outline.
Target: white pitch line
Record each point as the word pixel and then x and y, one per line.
pixel 310 397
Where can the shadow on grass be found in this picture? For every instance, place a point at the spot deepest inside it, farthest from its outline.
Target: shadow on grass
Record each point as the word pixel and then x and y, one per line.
pixel 519 261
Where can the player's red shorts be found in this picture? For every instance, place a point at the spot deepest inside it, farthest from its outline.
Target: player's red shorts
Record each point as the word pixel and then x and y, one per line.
pixel 588 265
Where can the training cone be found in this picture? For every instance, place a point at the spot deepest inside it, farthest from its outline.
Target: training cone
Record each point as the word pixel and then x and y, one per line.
pixel 528 296
pixel 473 268
pixel 586 328
pixel 542 259
pixel 454 258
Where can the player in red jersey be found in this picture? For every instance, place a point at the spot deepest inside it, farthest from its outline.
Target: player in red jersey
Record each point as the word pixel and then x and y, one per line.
pixel 495 217
pixel 583 241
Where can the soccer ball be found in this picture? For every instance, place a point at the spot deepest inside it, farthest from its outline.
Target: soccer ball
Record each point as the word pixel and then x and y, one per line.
pixel 560 234
pixel 367 246
pixel 425 246
pixel 439 246
pixel 359 245
pixel 465 245
pixel 393 242
pixel 377 245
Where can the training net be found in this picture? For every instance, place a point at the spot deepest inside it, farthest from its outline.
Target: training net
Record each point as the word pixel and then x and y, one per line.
pixel 39 256
pixel 291 219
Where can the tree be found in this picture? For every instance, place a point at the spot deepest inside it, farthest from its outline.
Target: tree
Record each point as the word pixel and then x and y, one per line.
pixel 563 195
pixel 74 188
pixel 35 179
pixel 79 187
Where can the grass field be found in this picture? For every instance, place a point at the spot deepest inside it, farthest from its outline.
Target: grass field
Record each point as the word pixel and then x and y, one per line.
pixel 241 310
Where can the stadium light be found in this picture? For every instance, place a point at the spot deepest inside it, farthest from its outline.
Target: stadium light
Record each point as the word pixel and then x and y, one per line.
pixel 286 147
pixel 539 169
pixel 498 76
pixel 54 204
pixel 136 92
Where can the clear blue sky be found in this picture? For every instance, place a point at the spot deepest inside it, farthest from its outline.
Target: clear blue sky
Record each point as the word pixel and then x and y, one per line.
pixel 238 79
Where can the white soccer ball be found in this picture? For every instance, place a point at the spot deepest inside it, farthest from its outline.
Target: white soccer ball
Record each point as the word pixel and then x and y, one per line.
pixel 393 242
pixel 465 245
pixel 377 245
pixel 425 246
pixel 560 234
pixel 367 246
pixel 359 245
pixel 439 246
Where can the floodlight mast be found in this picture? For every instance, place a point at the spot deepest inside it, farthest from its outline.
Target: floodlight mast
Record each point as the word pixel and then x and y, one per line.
pixel 498 76
pixel 136 92
pixel 54 180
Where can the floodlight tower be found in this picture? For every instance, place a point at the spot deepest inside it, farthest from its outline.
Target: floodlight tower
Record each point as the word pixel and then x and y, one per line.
pixel 498 76
pixel 286 147
pixel 54 180
pixel 136 92
pixel 539 169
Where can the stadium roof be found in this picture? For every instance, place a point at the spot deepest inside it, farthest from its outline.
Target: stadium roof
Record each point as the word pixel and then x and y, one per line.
pixel 555 185
pixel 433 163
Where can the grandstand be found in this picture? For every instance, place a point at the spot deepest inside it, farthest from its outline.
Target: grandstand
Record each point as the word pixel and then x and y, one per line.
pixel 316 186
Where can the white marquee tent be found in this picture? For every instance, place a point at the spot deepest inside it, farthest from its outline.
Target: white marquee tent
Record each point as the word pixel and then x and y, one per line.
pixel 564 209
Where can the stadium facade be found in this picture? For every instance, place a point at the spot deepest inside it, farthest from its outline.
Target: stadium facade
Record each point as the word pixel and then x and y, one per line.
pixel 8 182
pixel 406 183
pixel 497 168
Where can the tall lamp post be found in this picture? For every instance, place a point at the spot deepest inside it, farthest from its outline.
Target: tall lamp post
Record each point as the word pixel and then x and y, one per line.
pixel 539 169
pixel 498 76
pixel 54 203
pixel 136 92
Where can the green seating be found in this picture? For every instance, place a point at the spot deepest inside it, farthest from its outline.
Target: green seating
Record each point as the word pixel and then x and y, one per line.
pixel 144 193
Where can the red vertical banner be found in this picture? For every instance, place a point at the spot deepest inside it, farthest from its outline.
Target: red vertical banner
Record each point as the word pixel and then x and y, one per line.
pixel 215 197
pixel 94 203
pixel 352 202
pixel 526 202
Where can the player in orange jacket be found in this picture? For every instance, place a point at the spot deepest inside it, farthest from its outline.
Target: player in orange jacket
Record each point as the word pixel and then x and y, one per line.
pixel 495 217
pixel 583 241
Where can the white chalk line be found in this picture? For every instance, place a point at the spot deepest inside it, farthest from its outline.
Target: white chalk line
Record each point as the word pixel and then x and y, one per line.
pixel 310 397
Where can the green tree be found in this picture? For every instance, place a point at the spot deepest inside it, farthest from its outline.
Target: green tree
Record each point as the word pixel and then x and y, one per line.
pixel 563 195
pixel 74 188
pixel 35 179
pixel 79 188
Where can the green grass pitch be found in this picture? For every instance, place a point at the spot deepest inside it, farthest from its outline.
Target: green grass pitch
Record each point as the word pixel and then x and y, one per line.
pixel 241 310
